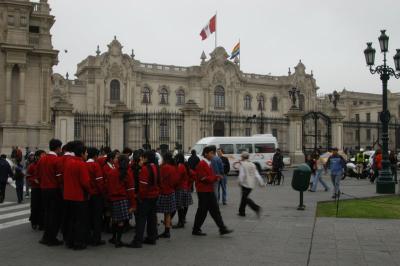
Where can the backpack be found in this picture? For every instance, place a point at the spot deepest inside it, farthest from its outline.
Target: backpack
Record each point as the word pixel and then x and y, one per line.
pixel 227 165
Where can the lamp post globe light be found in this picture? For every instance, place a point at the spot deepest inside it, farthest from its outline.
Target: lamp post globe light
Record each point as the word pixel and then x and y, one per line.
pixel 385 183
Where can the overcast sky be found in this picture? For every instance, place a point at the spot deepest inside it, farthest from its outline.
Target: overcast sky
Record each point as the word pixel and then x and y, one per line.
pixel 328 36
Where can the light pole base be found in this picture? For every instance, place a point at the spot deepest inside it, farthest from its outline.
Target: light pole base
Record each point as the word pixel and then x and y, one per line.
pixel 385 187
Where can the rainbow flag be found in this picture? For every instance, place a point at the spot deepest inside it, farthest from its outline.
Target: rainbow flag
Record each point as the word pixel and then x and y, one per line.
pixel 235 51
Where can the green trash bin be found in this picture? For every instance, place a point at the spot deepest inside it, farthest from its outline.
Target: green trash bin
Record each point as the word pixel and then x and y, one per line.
pixel 301 181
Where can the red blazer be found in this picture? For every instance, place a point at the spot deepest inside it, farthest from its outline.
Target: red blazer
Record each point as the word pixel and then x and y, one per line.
pixel 97 184
pixel 102 160
pixel 60 166
pixel 148 189
pixel 169 179
pixel 205 177
pixel 47 172
pixel 118 190
pixel 185 178
pixel 76 180
pixel 31 175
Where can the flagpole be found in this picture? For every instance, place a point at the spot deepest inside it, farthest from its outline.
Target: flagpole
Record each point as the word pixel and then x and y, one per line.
pixel 216 27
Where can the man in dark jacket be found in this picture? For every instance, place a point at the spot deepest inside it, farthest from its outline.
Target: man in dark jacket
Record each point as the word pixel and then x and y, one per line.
pixel 277 165
pixel 223 181
pixel 193 160
pixel 5 173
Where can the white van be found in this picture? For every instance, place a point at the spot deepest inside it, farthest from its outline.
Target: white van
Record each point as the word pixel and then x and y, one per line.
pixel 261 148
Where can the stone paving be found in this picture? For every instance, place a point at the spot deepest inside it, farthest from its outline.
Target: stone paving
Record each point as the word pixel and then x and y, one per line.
pixel 282 236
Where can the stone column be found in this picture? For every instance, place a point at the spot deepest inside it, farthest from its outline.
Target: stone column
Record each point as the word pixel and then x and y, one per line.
pixel 337 128
pixel 295 142
pixel 64 121
pixel 8 108
pixel 21 101
pixel 117 127
pixel 191 128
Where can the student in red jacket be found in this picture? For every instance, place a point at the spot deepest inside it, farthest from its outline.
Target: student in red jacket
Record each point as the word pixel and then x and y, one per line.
pixel 96 201
pixel 166 203
pixel 36 217
pixel 52 199
pixel 184 189
pixel 149 190
pixel 76 191
pixel 205 179
pixel 121 193
pixel 108 165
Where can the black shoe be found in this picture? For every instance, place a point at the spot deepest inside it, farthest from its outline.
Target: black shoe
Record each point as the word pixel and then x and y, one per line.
pixel 165 235
pixel 258 212
pixel 119 244
pixel 178 225
pixel 241 214
pixel 98 243
pixel 225 231
pixel 326 189
pixel 43 242
pixel 112 240
pixel 148 241
pixel 224 203
pixel 79 247
pixel 134 244
pixel 34 227
pixel 55 243
pixel 198 233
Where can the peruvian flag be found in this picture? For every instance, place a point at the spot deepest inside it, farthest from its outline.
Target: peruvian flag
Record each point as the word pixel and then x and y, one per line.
pixel 209 28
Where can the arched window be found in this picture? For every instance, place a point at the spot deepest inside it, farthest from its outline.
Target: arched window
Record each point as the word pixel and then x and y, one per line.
pixel 164 134
pixel 163 96
pixel 180 97
pixel 261 103
pixel 114 91
pixel 247 102
pixel 274 103
pixel 219 96
pixel 146 96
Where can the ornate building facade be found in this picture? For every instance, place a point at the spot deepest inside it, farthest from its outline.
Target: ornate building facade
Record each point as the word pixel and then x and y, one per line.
pixel 118 100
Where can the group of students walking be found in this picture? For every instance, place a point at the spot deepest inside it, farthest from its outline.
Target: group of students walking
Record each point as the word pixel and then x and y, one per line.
pixel 78 191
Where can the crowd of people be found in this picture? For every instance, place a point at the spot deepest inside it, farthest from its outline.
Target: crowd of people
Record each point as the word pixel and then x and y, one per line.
pixel 80 192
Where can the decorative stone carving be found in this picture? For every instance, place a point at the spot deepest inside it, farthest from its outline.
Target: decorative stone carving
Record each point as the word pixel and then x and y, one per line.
pixel 115 47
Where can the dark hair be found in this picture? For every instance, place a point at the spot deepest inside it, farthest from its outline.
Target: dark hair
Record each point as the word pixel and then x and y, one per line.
pixel 127 151
pixel 38 153
pixel 193 152
pixel 150 156
pixel 3 156
pixel 92 152
pixel 68 147
pixel 123 164
pixel 151 160
pixel 208 149
pixel 78 147
pixel 111 156
pixel 54 144
pixel 168 158
pixel 180 159
pixel 105 150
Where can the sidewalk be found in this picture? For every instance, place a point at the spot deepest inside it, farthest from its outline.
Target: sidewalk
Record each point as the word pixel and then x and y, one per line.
pixel 282 236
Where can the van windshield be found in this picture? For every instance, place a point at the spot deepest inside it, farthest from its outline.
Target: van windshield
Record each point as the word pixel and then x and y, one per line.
pixel 199 148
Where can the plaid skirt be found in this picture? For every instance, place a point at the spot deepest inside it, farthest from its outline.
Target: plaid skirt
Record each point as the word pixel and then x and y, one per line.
pixel 183 199
pixel 166 203
pixel 120 210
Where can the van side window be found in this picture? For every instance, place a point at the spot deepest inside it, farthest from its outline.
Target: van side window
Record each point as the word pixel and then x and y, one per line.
pixel 244 147
pixel 264 148
pixel 227 148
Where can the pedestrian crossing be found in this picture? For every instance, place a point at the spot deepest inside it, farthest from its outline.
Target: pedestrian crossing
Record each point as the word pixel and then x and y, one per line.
pixel 13 214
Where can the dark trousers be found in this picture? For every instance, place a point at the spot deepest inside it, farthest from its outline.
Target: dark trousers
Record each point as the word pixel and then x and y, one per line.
pixel 53 212
pixel 36 208
pixel 207 203
pixel 96 207
pixel 19 188
pixel 393 167
pixel 76 227
pixel 146 214
pixel 2 191
pixel 247 201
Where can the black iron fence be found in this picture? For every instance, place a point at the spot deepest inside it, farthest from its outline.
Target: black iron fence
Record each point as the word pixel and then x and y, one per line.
pixel 165 130
pixel 93 129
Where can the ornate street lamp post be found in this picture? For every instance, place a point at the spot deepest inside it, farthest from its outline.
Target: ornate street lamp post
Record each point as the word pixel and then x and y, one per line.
pixel 385 183
pixel 146 129
pixel 261 108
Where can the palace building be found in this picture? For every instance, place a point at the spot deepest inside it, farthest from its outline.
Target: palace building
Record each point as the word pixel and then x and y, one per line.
pixel 117 100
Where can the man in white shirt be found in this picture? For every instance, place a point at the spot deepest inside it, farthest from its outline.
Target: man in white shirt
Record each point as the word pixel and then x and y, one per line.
pixel 248 175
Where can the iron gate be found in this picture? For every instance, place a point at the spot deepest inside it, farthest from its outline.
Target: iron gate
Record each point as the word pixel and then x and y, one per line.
pixel 93 129
pixel 316 132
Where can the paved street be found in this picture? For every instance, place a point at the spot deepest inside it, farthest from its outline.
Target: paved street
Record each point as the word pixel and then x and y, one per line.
pixel 283 236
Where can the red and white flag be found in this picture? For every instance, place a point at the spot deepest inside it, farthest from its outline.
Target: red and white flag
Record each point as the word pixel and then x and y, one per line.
pixel 209 28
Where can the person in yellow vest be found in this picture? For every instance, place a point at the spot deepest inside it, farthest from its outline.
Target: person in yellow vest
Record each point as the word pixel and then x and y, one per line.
pixel 360 160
